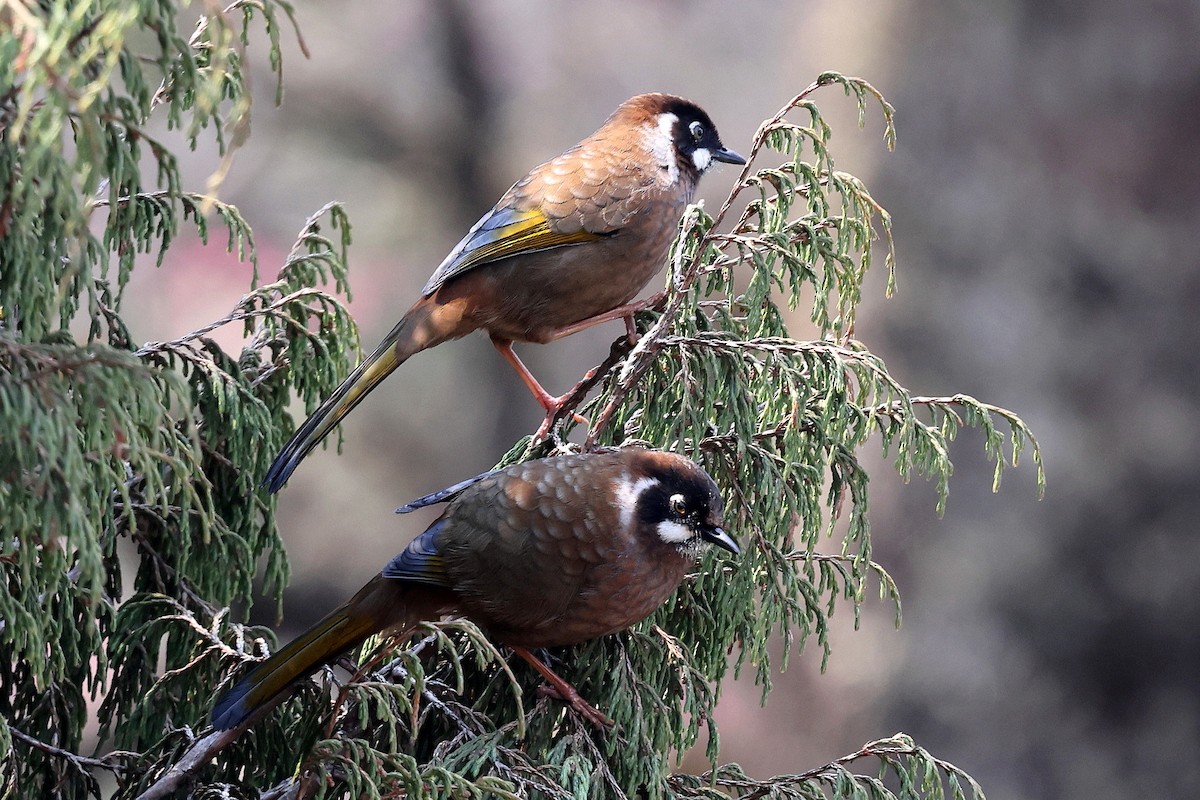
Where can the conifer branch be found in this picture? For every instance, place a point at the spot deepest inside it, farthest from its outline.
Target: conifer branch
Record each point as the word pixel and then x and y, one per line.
pixel 836 780
pixel 111 762
pixel 183 770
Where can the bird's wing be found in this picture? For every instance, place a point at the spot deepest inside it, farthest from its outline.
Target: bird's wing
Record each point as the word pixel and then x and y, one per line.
pixel 502 233
pixel 582 196
pixel 421 561
pixel 442 495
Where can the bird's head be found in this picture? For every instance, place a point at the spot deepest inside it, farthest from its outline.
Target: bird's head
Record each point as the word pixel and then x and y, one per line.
pixel 678 134
pixel 672 498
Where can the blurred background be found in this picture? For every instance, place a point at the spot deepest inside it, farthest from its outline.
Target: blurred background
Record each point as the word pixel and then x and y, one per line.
pixel 1045 191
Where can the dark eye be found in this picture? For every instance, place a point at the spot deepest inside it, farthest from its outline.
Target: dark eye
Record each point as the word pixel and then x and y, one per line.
pixel 678 505
pixel 697 130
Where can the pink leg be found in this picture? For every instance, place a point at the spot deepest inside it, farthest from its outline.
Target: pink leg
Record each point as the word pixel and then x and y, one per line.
pixel 548 401
pixel 566 691
pixel 626 311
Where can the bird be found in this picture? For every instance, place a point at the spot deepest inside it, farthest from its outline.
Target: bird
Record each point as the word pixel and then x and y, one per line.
pixel 545 553
pixel 567 247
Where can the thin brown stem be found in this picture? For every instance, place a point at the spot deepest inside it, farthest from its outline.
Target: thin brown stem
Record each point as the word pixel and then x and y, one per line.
pixel 81 762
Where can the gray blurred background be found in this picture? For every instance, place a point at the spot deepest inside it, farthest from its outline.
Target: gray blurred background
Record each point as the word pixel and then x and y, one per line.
pixel 1045 191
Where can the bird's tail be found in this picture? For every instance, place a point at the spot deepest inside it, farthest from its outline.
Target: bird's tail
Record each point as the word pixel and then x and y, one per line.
pixel 383 605
pixel 303 656
pixel 417 330
pixel 350 393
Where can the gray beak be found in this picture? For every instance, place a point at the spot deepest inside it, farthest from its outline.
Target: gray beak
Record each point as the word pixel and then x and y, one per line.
pixel 721 539
pixel 729 157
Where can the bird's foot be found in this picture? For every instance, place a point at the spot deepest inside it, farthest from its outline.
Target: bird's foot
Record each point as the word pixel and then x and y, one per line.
pixel 554 404
pixel 546 400
pixel 544 429
pixel 580 706
pixel 556 686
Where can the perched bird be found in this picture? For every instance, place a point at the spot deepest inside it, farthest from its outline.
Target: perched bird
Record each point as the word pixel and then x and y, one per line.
pixel 567 247
pixel 546 553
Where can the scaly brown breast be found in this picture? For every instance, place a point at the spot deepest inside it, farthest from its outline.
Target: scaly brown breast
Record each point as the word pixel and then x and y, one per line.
pixel 539 558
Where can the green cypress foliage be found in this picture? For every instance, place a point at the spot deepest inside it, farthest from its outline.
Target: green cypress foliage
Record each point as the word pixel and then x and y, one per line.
pixel 133 521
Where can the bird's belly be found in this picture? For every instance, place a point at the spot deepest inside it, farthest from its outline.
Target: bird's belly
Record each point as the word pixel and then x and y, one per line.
pixel 555 289
pixel 613 600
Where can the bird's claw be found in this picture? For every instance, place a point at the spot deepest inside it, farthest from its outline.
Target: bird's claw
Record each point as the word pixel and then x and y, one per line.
pixel 544 429
pixel 553 405
pixel 580 706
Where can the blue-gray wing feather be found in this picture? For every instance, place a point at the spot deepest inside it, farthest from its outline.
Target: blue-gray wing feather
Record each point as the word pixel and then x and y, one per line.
pixel 421 561
pixel 481 233
pixel 442 495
